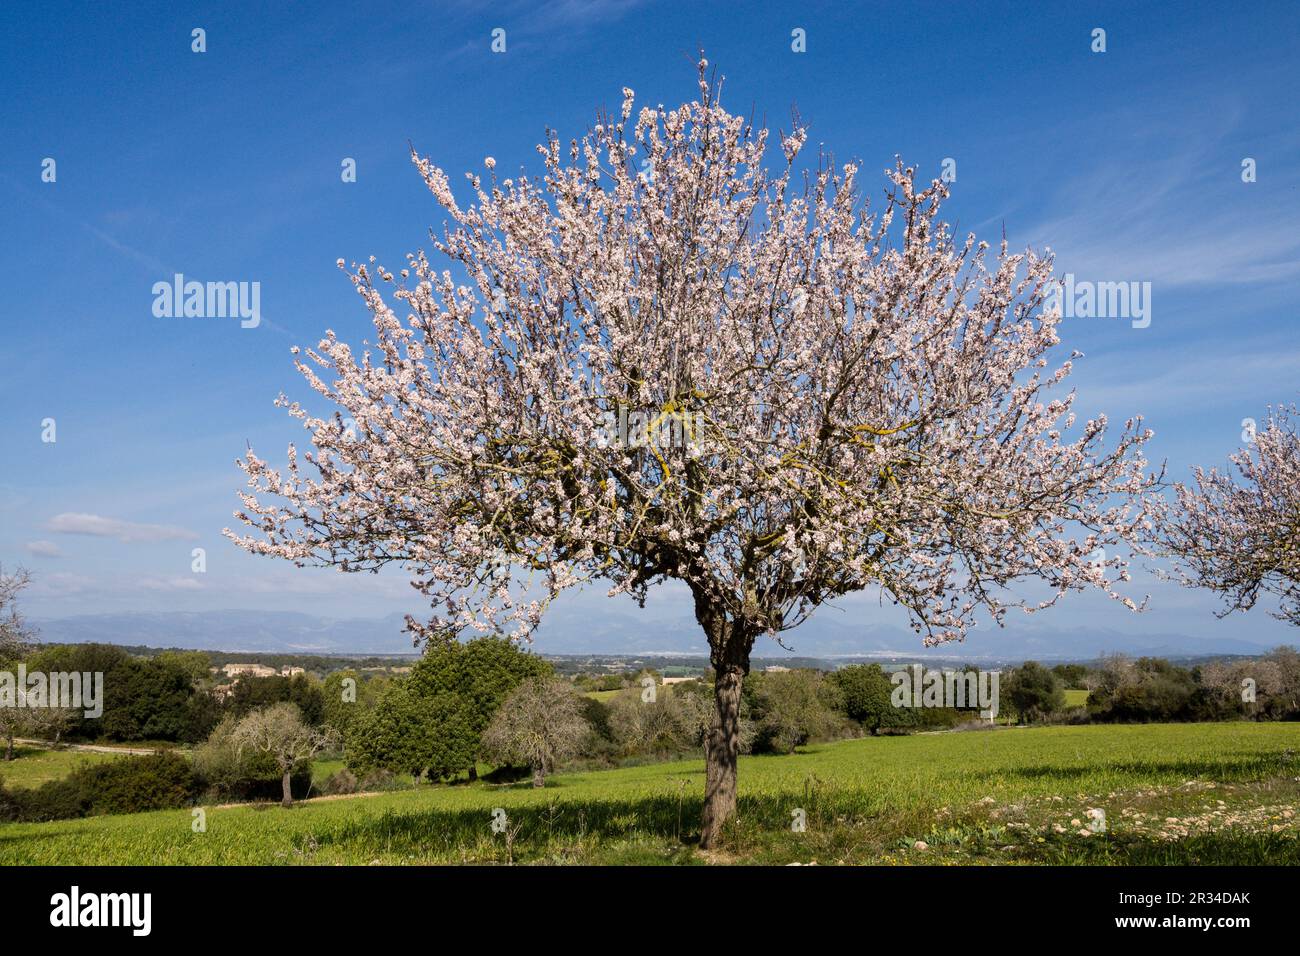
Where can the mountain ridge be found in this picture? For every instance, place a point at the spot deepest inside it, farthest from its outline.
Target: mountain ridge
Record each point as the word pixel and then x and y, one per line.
pixel 573 631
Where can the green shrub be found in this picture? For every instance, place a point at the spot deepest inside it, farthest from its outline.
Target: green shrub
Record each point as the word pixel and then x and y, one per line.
pixel 791 708
pixel 53 800
pixel 134 784
pixel 1034 692
pixel 126 785
pixel 341 781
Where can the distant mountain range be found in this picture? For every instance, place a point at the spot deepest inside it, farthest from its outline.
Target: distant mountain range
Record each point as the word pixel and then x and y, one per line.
pixel 576 630
pixel 262 631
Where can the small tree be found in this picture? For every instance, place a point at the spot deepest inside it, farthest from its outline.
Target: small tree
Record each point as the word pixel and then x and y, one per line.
pixel 1073 676
pixel 1146 689
pixel 394 736
pixel 1287 661
pixel 280 732
pixel 460 687
pixel 15 719
pixel 1241 539
pixel 1224 681
pixel 790 708
pixel 672 721
pixel 1034 691
pixel 14 632
pixel 539 724
pixel 51 723
pixel 866 692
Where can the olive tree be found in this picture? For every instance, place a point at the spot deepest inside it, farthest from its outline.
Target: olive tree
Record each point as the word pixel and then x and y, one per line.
pixel 280 732
pixel 539 724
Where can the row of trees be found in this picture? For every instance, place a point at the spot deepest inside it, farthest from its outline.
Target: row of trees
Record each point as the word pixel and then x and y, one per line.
pixel 167 697
pixel 544 719
pixel 1152 689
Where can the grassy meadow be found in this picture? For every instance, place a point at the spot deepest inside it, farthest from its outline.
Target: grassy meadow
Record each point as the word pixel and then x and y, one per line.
pixel 33 766
pixel 1171 793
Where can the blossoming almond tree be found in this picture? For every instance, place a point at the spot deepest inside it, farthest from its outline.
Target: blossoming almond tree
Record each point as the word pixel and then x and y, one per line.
pixel 1242 539
pixel 824 400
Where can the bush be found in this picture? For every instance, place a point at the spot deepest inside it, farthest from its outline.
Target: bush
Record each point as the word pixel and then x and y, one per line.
pixel 1148 689
pixel 539 724
pixel 1034 692
pixel 158 781
pixel 790 708
pixel 380 779
pixel 255 693
pixel 661 727
pixel 341 781
pixel 597 715
pixel 55 800
pixel 433 721
pixel 865 697
pixel 1073 676
pixel 144 698
pixel 399 734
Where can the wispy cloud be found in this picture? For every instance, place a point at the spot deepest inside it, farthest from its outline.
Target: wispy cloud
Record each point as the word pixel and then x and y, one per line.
pixel 44 549
pixel 543 27
pixel 1172 208
pixel 149 262
pixel 171 584
pixel 127 532
pixel 1190 378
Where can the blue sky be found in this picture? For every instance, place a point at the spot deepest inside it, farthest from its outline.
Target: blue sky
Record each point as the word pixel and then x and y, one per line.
pixel 225 165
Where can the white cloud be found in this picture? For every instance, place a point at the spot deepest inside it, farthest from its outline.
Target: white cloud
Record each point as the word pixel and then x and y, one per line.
pixel 1192 378
pixel 62 585
pixel 171 584
pixel 44 549
pixel 124 531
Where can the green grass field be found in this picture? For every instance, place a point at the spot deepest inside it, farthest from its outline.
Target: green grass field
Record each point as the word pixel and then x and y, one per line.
pixel 1190 793
pixel 33 766
pixel 1075 698
pixel 321 770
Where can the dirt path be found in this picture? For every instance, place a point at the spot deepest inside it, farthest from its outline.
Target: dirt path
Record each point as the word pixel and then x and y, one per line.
pixel 84 748
pixel 323 798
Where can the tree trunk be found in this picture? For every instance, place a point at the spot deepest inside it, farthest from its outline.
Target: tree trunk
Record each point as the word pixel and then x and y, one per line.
pixel 721 751
pixel 9 749
pixel 539 776
pixel 287 800
pixel 729 645
pixel 473 772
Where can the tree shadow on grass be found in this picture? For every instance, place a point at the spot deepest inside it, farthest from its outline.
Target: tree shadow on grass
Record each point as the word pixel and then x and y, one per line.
pixel 1231 767
pixel 539 827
